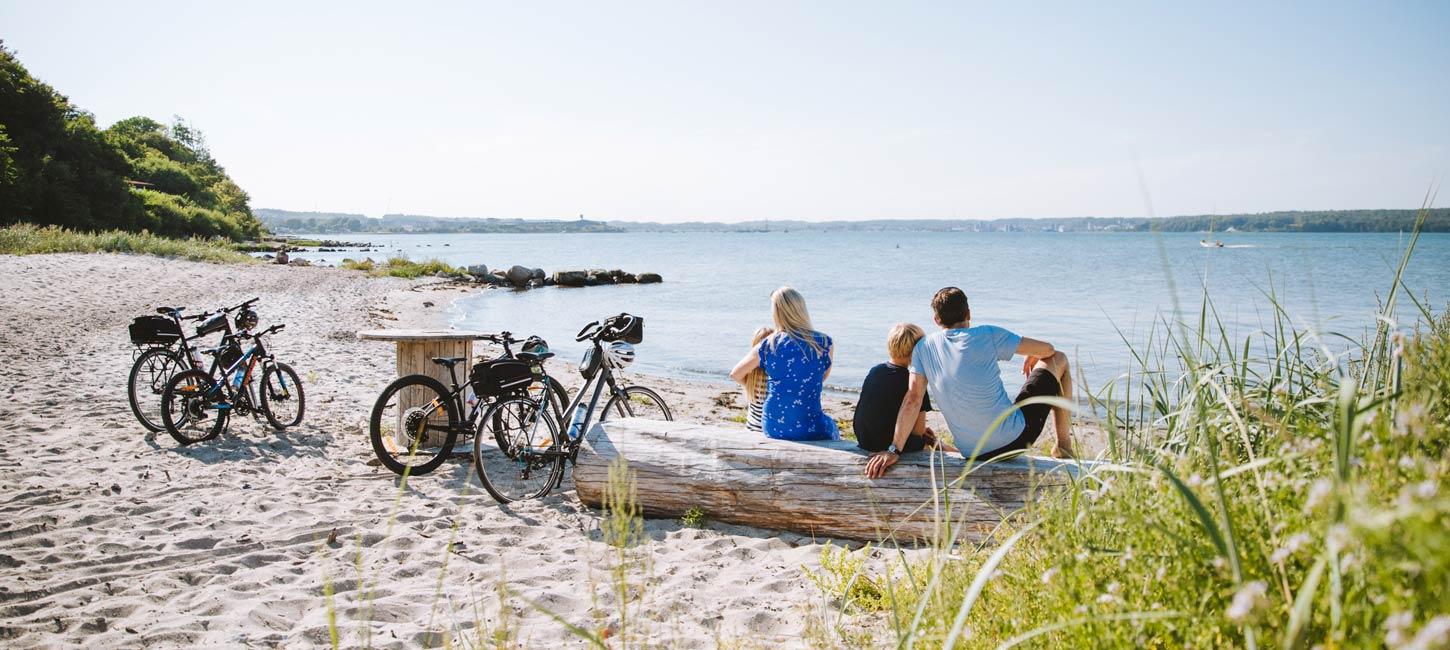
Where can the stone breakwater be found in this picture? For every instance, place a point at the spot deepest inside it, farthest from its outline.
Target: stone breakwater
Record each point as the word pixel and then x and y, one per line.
pixel 523 277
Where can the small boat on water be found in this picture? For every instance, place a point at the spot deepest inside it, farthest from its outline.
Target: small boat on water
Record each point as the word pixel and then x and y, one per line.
pixel 1210 244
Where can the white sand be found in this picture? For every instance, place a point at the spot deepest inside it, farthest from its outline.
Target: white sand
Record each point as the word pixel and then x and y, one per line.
pixel 111 537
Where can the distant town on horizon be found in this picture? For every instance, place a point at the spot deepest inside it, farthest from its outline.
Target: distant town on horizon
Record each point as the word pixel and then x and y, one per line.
pixel 1349 221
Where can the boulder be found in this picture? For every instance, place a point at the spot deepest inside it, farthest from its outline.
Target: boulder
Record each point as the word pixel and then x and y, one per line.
pixel 494 280
pixel 650 278
pixel 627 278
pixel 538 274
pixel 535 283
pixel 478 270
pixel 519 275
pixel 281 257
pixel 571 278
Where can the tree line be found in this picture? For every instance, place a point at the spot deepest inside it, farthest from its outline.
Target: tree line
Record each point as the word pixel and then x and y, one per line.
pixel 57 167
pixel 1437 220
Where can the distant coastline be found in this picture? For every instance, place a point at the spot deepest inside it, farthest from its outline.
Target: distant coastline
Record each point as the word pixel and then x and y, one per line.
pixel 1315 221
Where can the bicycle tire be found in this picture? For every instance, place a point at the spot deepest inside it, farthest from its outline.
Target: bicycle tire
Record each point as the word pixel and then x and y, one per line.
pixel 500 468
pixel 290 386
pixel 619 405
pixel 185 395
pixel 152 421
pixel 381 435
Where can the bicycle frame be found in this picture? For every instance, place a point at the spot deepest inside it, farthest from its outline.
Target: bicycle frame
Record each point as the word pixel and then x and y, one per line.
pixel 258 352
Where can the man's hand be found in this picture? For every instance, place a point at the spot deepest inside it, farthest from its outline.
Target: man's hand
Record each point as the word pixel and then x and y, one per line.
pixel 1062 451
pixel 876 467
pixel 1028 364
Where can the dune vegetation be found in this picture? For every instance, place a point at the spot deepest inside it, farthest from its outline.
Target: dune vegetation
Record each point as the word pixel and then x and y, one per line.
pixel 1285 490
pixel 29 239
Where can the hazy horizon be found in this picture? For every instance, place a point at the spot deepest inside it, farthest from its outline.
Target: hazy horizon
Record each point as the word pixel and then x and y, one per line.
pixel 814 112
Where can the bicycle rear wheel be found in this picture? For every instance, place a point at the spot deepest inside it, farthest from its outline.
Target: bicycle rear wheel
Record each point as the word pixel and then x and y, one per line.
pixel 149 375
pixel 412 428
pixel 636 402
pixel 516 450
pixel 193 407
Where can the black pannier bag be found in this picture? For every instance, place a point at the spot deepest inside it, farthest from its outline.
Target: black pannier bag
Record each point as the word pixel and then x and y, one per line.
pixel 500 377
pixel 216 323
pixel 633 335
pixel 154 330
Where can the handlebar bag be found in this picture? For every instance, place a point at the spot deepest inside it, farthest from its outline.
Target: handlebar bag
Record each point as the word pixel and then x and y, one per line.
pixel 632 335
pixel 500 377
pixel 216 323
pixel 154 330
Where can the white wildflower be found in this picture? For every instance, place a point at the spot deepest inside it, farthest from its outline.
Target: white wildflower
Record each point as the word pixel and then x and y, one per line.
pixel 1426 490
pixel 1395 627
pixel 1411 420
pixel 1105 599
pixel 1407 463
pixel 1080 610
pixel 1279 555
pixel 1248 602
pixel 1338 538
pixel 1347 562
pixel 1048 575
pixel 1126 557
pixel 1194 480
pixel 1219 563
pixel 1162 572
pixel 1318 493
pixel 1435 634
pixel 1081 556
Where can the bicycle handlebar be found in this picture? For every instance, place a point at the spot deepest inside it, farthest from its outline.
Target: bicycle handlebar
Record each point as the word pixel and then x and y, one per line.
pixel 241 306
pixel 505 338
pixel 614 324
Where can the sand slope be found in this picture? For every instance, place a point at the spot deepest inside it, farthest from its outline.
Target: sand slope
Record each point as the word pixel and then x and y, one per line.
pixel 111 537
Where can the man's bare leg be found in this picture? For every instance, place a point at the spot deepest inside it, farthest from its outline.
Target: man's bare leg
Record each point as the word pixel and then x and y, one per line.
pixel 1061 418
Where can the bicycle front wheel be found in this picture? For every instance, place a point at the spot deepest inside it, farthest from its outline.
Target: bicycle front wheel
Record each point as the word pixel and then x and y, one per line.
pixel 193 407
pixel 283 401
pixel 412 427
pixel 636 402
pixel 516 451
pixel 149 375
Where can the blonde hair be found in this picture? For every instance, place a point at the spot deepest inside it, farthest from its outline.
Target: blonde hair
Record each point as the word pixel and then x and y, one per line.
pixel 755 379
pixel 902 339
pixel 788 311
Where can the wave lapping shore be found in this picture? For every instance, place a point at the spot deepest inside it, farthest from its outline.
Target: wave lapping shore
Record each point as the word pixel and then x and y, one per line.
pixel 112 537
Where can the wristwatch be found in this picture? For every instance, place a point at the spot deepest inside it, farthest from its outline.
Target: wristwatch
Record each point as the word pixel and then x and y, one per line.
pixel 892 448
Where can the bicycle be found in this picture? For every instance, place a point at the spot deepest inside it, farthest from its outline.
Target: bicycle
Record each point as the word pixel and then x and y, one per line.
pixel 164 349
pixel 525 445
pixel 416 421
pixel 192 395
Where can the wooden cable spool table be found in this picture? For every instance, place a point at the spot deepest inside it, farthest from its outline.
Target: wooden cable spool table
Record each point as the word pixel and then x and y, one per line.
pixel 416 349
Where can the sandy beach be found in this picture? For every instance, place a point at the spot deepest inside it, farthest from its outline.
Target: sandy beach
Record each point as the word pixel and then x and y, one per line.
pixel 112 537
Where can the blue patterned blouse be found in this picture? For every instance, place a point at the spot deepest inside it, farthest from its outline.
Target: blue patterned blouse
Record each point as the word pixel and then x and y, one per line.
pixel 795 375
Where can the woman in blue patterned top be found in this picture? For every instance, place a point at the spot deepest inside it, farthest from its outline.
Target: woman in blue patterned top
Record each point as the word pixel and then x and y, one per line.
pixel 796 360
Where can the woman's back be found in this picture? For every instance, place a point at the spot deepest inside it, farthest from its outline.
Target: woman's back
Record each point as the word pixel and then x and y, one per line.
pixel 796 373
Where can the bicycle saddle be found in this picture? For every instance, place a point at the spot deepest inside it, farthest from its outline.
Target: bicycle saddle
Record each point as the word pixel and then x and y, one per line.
pixel 534 357
pixel 448 362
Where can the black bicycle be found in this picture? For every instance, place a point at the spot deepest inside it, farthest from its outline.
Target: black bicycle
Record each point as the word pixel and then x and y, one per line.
pixel 196 404
pixel 518 450
pixel 416 420
pixel 164 349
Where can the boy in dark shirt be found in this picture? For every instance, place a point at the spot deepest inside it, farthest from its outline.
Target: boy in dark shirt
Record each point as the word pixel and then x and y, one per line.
pixel 881 395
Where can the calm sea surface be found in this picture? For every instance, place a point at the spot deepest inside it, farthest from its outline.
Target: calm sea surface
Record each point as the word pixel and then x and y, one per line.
pixel 1075 290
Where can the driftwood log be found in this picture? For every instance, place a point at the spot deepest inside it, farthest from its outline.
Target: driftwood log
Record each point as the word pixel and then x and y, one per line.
pixel 813 488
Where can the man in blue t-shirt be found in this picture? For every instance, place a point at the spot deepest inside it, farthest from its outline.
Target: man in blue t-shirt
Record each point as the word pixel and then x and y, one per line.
pixel 959 366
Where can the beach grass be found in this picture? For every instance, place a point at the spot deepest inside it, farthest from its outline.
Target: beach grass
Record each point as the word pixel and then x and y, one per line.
pixel 29 239
pixel 402 267
pixel 1287 489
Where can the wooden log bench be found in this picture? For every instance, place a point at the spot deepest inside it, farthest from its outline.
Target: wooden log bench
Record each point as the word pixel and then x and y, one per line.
pixel 812 488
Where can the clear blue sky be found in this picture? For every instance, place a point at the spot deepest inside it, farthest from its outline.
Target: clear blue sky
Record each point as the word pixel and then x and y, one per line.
pixel 730 111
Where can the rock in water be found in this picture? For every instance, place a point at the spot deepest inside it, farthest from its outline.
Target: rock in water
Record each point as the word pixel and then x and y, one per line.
pixel 519 276
pixel 571 278
pixel 478 270
pixel 650 278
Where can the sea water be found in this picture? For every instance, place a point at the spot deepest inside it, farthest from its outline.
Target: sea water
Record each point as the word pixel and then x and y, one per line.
pixel 1086 293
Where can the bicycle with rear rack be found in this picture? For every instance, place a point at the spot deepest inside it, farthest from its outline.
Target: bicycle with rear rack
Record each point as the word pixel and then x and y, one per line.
pixel 519 449
pixel 164 349
pixel 416 421
pixel 197 404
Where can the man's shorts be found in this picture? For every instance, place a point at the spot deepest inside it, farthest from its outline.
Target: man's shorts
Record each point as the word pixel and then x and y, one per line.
pixel 1041 383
